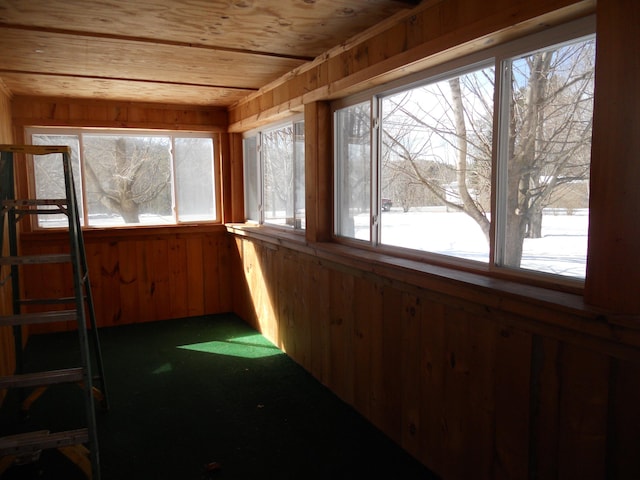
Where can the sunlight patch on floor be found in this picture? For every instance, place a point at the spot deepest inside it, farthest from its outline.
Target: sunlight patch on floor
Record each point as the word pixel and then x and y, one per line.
pixel 249 346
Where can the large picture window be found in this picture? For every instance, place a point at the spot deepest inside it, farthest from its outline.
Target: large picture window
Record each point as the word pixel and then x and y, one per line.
pixel 125 178
pixel 486 161
pixel 274 175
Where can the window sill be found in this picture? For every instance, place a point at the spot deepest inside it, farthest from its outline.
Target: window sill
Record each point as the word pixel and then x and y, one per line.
pixel 533 308
pixel 128 233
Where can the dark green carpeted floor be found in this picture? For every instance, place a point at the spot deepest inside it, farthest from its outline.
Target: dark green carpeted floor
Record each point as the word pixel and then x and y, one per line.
pixel 188 392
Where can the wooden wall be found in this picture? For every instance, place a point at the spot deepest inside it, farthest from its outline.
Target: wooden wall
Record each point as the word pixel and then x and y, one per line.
pixel 472 382
pixel 137 274
pixel 154 274
pixel 432 33
pixel 7 362
pixel 476 376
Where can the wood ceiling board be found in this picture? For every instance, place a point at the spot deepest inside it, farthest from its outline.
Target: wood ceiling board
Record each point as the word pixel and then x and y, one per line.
pixel 298 28
pixel 118 90
pixel 40 52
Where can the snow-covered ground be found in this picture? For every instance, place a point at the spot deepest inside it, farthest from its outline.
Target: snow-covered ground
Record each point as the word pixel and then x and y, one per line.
pixel 561 250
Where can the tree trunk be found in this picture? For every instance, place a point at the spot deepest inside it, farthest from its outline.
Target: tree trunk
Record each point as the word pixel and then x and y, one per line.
pixel 469 205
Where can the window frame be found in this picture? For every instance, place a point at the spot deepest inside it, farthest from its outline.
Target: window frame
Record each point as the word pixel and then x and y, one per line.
pixel 297 225
pixel 571 32
pixel 127 132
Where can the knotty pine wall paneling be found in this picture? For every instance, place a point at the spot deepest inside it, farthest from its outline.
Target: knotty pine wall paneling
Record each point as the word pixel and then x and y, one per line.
pixel 137 274
pixel 475 378
pixel 471 391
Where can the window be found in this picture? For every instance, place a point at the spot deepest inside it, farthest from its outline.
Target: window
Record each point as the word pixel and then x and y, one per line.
pixel 124 178
pixel 484 160
pixel 274 175
pixel 353 141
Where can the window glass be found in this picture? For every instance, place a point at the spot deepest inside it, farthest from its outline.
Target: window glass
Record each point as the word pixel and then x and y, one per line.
pixel 353 171
pixel 278 163
pixel 251 179
pixel 128 179
pixel 125 178
pixel 274 176
pixel 485 159
pixel 49 176
pixel 435 174
pixel 298 152
pixel 195 196
pixel 549 96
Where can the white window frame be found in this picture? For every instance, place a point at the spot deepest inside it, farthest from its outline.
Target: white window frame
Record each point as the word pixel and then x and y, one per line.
pixel 171 134
pixel 255 213
pixel 568 33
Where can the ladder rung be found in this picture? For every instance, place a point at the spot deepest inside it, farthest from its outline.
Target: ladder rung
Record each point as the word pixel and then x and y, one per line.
pixel 39 317
pixel 24 443
pixel 46 301
pixel 26 202
pixel 35 259
pixel 36 149
pixel 37 379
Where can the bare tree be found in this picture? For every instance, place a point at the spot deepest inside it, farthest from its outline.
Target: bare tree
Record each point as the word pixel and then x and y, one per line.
pixel 550 119
pixel 451 123
pixel 128 175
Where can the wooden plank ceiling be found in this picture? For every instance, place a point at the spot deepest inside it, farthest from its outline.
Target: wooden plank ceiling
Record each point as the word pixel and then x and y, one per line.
pixel 196 52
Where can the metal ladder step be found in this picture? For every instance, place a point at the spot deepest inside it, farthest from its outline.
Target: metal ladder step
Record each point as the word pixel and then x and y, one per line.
pixel 28 202
pixel 27 443
pixel 12 211
pixel 40 317
pixel 36 259
pixel 33 206
pixel 39 379
pixel 46 301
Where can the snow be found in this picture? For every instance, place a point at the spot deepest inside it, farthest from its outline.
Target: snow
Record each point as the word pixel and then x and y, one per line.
pixel 562 249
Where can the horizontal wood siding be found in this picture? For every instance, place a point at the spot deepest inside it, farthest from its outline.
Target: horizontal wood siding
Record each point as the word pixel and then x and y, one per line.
pixel 432 33
pixel 471 392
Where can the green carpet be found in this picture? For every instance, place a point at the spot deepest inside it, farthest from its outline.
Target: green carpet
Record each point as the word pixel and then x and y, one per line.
pixel 185 393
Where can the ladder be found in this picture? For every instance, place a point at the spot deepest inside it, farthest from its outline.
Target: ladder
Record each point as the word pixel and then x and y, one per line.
pixel 71 442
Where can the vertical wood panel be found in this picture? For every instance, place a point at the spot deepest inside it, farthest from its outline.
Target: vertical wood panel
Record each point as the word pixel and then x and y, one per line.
pixel 583 413
pixel 318 194
pixel 104 276
pixel 224 283
pixel 195 276
pixel 211 272
pixel 178 273
pixel 320 319
pixel 412 372
pixel 341 334
pixel 613 264
pixel 468 390
pixel 159 288
pixel 144 281
pixel 544 395
pixel 367 299
pixel 386 365
pixel 434 365
pixel 129 274
pixel 512 392
pixel 623 461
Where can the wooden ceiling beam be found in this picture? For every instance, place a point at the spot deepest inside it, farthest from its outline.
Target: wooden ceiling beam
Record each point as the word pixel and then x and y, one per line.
pixel 149 81
pixel 152 41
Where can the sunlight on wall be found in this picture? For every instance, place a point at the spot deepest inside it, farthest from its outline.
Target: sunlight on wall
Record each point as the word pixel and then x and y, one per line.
pixel 261 293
